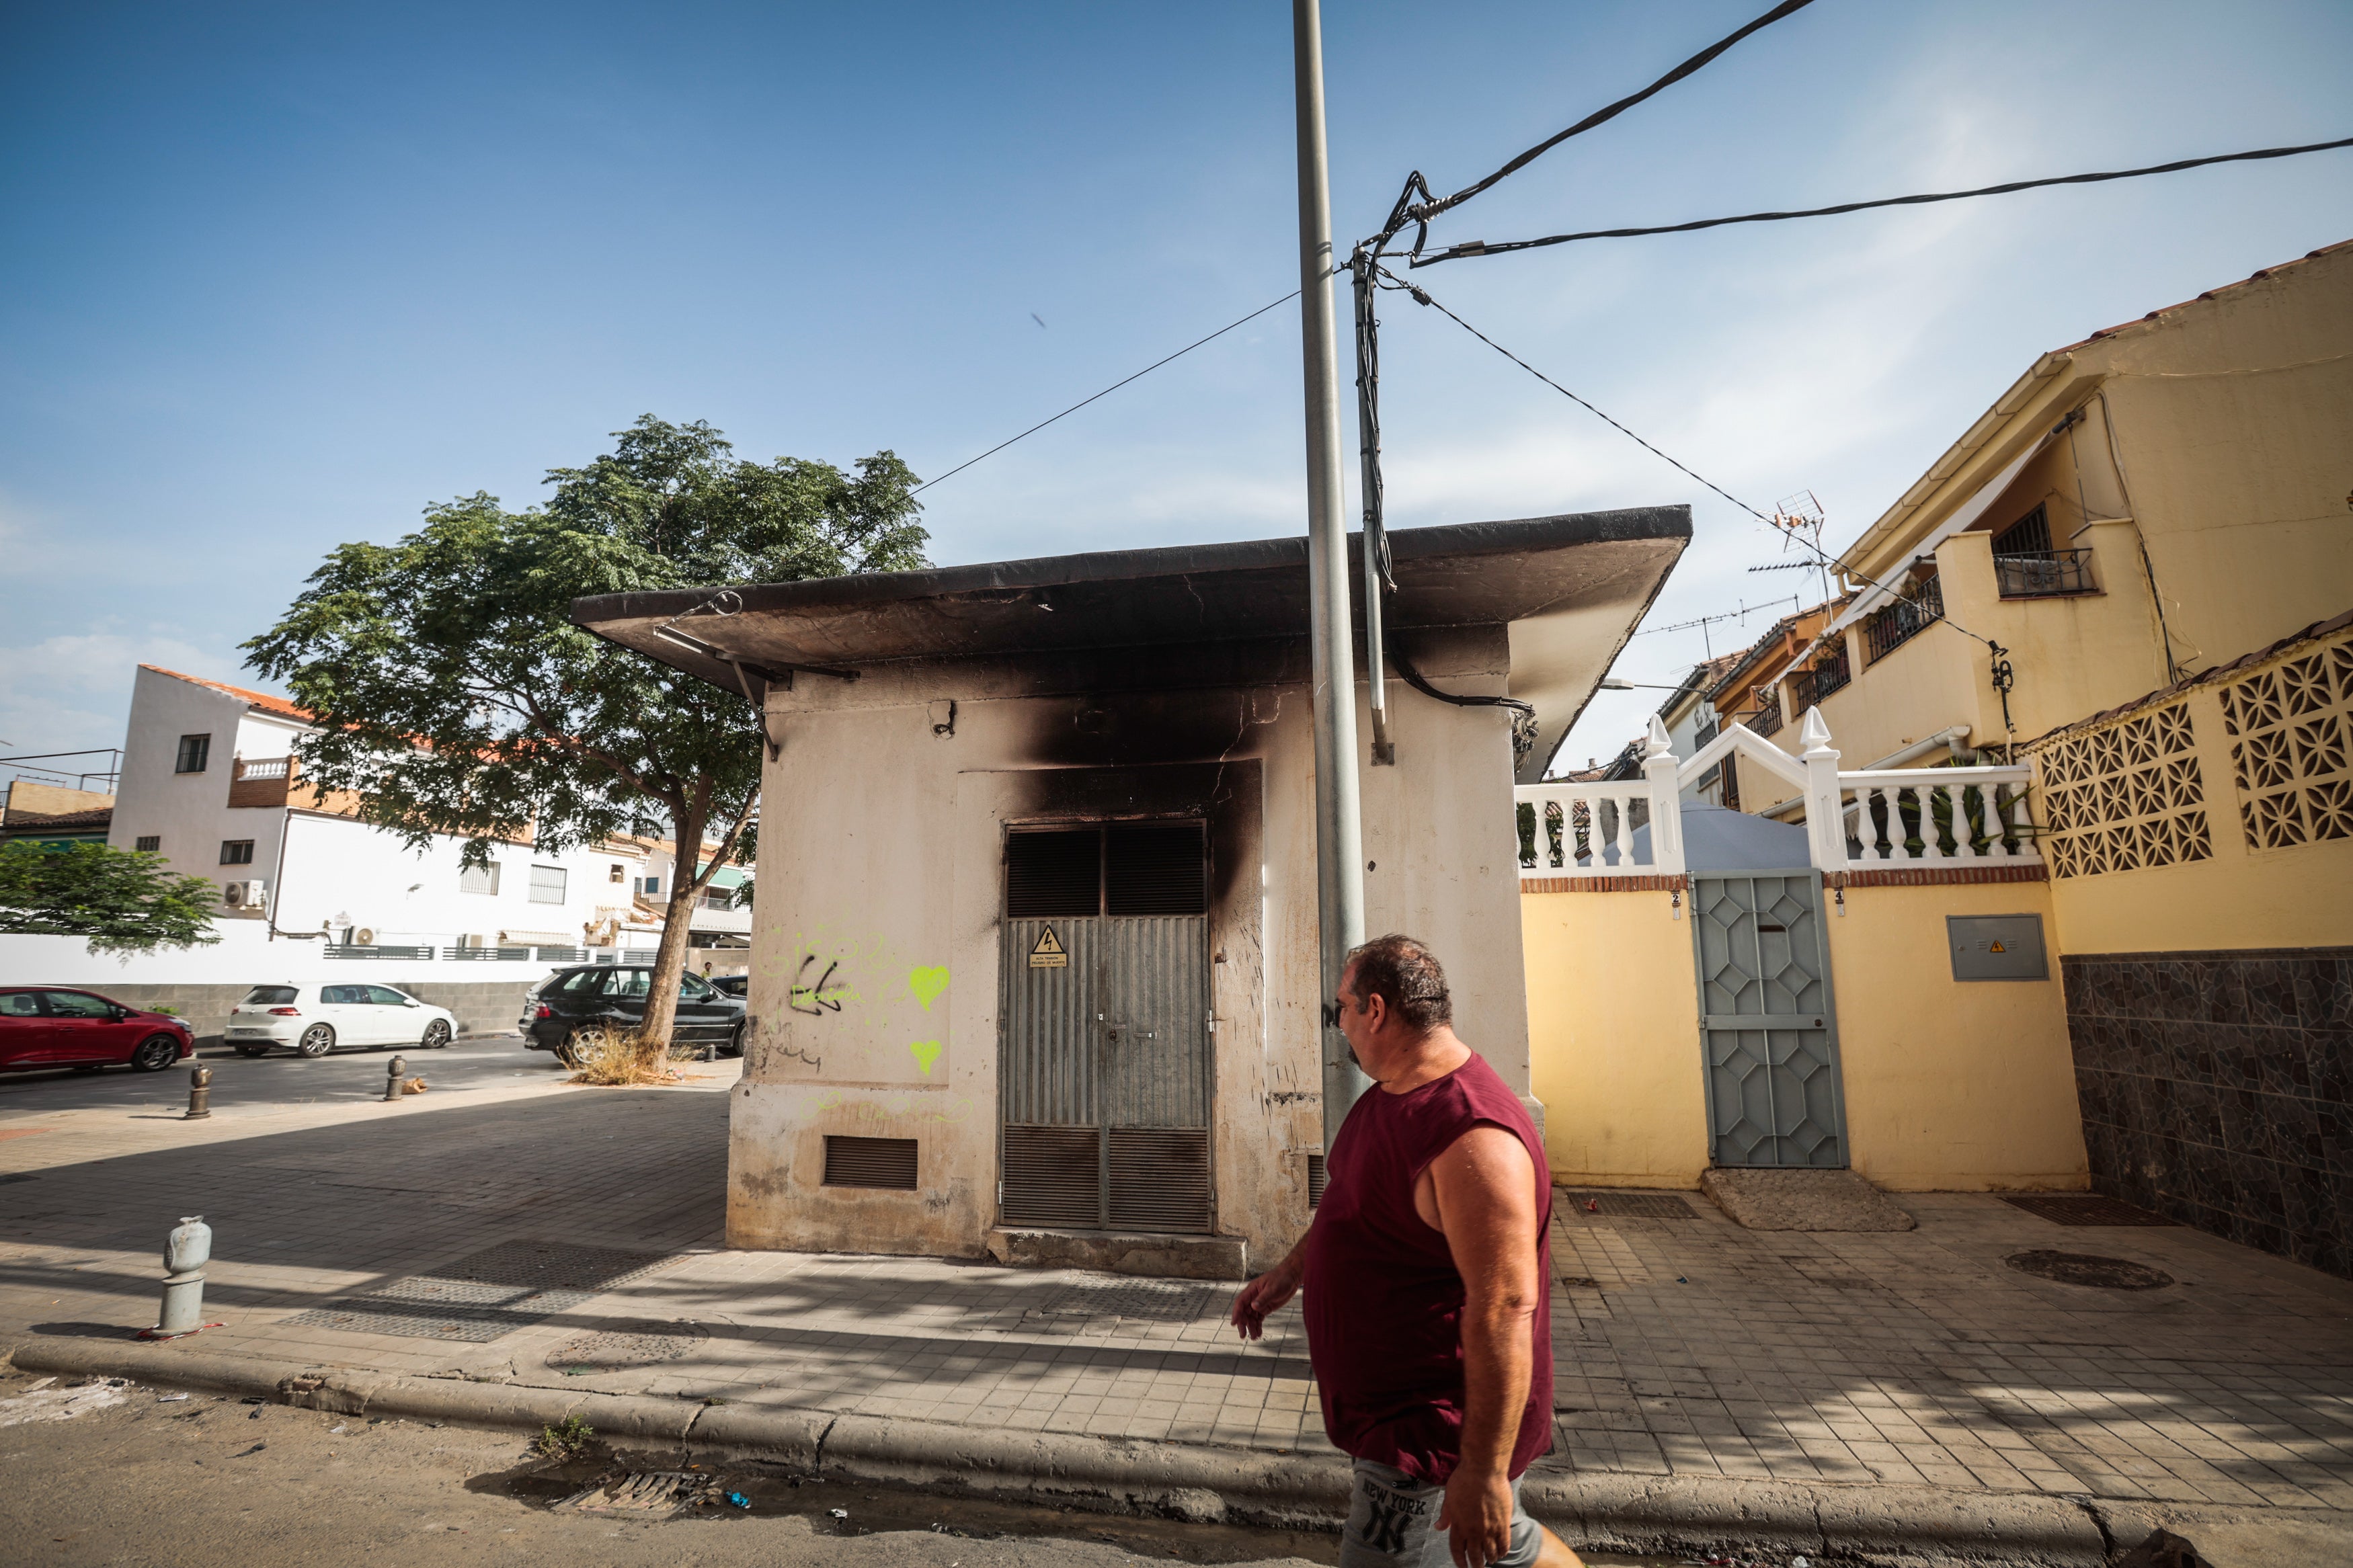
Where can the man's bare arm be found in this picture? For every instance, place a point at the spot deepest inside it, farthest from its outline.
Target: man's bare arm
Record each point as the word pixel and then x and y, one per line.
pixel 1483 1191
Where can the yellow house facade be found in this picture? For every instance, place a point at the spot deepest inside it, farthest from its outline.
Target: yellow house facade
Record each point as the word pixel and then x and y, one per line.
pixel 2132 576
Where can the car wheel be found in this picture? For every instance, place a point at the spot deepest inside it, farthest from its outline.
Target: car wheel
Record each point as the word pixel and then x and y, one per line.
pixel 436 1035
pixel 253 1050
pixel 156 1053
pixel 735 1042
pixel 589 1045
pixel 317 1040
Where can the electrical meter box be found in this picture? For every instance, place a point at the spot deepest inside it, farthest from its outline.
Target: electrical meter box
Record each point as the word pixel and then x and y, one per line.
pixel 1997 947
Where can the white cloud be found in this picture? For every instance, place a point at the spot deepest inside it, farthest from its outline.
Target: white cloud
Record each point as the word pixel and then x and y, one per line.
pixel 70 692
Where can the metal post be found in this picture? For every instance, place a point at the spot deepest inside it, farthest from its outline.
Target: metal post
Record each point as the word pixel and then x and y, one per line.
pixel 392 1071
pixel 185 1252
pixel 200 1094
pixel 1339 833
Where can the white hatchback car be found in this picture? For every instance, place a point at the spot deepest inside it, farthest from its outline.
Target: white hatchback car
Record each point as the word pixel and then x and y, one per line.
pixel 314 1019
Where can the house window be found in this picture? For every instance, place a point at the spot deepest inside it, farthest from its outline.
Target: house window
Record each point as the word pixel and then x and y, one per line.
pixel 2030 535
pixel 150 844
pixel 236 852
pixel 620 874
pixel 195 751
pixel 1908 617
pixel 547 884
pixel 479 878
pixel 650 886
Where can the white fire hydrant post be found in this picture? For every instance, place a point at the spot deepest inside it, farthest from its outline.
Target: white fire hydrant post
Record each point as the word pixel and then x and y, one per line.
pixel 185 1257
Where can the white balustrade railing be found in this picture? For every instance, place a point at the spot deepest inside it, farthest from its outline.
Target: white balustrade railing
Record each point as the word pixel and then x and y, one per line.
pixel 1871 817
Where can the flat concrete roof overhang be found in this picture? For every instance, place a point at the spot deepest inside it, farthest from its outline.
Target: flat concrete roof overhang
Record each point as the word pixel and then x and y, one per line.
pixel 1569 590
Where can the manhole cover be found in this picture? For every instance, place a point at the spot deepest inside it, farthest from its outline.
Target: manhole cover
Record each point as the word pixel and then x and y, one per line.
pixel 2082 1209
pixel 617 1349
pixel 1628 1206
pixel 1145 1300
pixel 2084 1268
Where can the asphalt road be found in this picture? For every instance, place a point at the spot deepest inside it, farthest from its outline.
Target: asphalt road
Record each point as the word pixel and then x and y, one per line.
pixel 135 1476
pixel 278 1080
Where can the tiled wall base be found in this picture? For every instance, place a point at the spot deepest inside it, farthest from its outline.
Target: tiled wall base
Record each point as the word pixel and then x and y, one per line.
pixel 2217 1089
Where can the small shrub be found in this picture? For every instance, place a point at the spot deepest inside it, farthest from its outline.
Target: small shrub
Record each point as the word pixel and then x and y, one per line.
pixel 567 1439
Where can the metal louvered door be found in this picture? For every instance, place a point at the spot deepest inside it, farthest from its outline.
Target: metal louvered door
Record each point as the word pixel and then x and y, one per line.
pixel 1106 1074
pixel 1769 1031
pixel 1104 1067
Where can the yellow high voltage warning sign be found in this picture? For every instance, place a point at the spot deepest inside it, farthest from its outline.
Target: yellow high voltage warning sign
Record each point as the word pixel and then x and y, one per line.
pixel 1049 953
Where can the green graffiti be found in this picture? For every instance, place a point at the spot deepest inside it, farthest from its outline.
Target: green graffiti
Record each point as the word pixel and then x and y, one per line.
pixel 925 1053
pixel 927 983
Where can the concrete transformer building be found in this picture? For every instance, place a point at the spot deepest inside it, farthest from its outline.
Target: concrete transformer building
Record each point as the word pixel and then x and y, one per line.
pixel 1034 965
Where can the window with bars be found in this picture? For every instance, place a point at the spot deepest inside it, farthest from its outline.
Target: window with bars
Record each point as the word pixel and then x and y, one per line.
pixel 479 878
pixel 149 843
pixel 547 884
pixel 195 752
pixel 236 852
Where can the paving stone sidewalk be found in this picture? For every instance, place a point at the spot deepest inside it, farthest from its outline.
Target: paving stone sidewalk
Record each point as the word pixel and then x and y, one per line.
pixel 574 1237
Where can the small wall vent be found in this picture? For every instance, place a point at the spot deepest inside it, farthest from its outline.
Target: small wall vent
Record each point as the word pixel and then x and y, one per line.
pixel 871 1163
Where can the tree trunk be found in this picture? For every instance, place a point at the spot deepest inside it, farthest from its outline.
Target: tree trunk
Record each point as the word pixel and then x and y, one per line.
pixel 669 958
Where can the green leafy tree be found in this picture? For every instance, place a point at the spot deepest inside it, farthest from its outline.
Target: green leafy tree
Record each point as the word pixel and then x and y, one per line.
pixel 454 696
pixel 122 900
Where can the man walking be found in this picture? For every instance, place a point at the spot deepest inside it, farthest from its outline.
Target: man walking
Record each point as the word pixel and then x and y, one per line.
pixel 1427 1270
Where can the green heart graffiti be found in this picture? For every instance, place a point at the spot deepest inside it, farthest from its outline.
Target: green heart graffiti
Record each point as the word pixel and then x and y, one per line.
pixel 927 983
pixel 925 1053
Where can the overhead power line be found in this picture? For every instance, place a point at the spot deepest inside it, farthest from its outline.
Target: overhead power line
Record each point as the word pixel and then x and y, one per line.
pixel 1423 212
pixel 1107 391
pixel 1422 297
pixel 1483 248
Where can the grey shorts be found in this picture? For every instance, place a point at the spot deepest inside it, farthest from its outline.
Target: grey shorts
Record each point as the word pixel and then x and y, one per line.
pixel 1393 1523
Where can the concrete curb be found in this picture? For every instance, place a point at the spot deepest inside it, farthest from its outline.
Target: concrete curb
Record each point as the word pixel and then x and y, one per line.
pixel 1639 1513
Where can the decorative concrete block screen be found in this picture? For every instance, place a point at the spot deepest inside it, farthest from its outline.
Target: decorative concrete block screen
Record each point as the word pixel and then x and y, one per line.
pixel 2125 796
pixel 2290 727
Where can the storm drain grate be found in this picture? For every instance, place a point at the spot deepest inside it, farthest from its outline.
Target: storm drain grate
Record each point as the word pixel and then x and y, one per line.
pixel 486 1294
pixel 1145 1300
pixel 1628 1206
pixel 2081 1208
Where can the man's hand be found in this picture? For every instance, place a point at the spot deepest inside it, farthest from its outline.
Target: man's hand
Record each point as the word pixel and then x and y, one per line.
pixel 1264 1294
pixel 1476 1516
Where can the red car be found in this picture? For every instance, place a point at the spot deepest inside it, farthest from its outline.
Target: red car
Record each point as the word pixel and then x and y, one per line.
pixel 56 1026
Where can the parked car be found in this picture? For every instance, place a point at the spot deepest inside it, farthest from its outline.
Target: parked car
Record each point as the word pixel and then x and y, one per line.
pixel 313 1018
pixel 580 1013
pixel 731 985
pixel 57 1026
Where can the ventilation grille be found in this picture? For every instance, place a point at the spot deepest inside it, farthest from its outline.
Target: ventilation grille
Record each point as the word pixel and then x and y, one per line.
pixel 1160 1178
pixel 1053 1176
pixel 1147 869
pixel 1156 870
pixel 1315 1181
pixel 871 1163
pixel 1053 874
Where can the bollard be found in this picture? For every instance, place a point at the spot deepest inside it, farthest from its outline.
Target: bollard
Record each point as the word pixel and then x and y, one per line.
pixel 200 1094
pixel 392 1069
pixel 185 1257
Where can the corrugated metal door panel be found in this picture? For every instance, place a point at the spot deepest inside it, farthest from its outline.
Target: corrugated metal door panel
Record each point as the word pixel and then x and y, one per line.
pixel 1160 1178
pixel 1048 1071
pixel 1155 1040
pixel 1053 1176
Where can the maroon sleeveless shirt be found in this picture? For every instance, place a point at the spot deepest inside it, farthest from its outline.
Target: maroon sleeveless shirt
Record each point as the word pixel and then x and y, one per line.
pixel 1384 1304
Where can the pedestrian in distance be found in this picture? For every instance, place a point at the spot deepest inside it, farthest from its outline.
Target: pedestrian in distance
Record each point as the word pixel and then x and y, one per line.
pixel 1426 1270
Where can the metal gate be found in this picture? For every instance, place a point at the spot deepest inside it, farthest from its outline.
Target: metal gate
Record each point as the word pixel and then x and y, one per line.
pixel 1104 1074
pixel 1768 1033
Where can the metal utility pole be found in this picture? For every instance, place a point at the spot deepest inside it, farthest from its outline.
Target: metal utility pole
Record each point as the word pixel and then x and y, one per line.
pixel 1339 830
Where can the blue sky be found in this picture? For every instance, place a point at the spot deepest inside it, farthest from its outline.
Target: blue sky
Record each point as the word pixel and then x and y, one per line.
pixel 278 277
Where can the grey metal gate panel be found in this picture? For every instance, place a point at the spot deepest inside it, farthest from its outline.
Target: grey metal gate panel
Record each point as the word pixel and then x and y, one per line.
pixel 1156 1047
pixel 1104 1074
pixel 1047 1070
pixel 1768 1028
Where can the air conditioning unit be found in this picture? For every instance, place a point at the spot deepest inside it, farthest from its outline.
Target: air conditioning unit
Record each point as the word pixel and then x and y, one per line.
pixel 363 936
pixel 245 895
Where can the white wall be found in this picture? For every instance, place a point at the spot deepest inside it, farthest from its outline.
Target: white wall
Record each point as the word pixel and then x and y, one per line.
pixel 244 956
pixel 189 812
pixel 343 873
